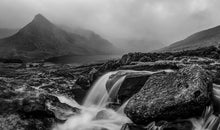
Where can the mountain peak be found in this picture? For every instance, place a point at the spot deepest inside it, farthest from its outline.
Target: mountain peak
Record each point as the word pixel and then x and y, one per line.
pixel 39 18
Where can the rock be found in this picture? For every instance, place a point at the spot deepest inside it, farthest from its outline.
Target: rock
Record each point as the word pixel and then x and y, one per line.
pixel 103 114
pixel 47 106
pixel 32 110
pixel 175 125
pixel 145 59
pixel 181 94
pixel 110 65
pixel 130 126
pixel 84 82
pixel 130 57
pixel 153 66
pixel 178 125
pixel 131 83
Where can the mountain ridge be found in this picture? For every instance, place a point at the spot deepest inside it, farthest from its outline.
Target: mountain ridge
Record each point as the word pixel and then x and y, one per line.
pixel 41 39
pixel 204 38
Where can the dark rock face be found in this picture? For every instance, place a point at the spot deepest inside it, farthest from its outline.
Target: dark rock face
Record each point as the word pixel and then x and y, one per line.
pixel 133 81
pixel 132 127
pixel 178 125
pixel 180 94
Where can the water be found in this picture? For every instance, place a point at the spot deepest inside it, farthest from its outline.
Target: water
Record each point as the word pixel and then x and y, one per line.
pixel 78 60
pixel 95 116
pixel 98 95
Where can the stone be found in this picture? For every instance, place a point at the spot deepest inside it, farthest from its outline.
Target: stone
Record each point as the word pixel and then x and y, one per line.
pixel 132 83
pixel 178 125
pixel 153 66
pixel 181 94
pixel 103 114
pixel 130 126
pixel 32 110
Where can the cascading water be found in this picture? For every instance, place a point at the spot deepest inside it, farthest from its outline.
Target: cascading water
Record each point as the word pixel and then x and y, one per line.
pixel 95 116
pixel 98 94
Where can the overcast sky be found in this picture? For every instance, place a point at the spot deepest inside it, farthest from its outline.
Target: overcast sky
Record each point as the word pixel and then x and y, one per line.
pixel 164 20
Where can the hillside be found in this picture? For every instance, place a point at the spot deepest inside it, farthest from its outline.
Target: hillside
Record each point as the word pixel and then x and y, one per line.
pixel 5 32
pixel 209 37
pixel 42 39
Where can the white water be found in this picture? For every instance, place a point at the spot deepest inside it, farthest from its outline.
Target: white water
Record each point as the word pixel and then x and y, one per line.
pixel 98 92
pixel 95 116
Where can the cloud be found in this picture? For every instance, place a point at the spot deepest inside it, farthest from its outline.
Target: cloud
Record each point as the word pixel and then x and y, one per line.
pixel 163 20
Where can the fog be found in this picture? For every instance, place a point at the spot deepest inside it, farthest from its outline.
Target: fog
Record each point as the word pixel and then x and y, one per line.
pixel 162 21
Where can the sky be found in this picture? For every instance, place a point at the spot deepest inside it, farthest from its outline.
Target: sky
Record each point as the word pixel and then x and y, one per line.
pixel 165 21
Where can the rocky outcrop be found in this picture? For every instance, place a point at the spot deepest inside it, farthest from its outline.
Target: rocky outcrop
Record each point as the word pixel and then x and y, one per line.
pixel 32 110
pixel 153 66
pixel 181 94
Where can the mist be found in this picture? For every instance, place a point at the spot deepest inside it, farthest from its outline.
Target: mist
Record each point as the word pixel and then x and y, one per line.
pixel 131 24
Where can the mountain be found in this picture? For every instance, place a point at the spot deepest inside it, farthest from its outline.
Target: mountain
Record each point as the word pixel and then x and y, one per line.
pixel 41 39
pixel 94 39
pixel 209 37
pixel 5 32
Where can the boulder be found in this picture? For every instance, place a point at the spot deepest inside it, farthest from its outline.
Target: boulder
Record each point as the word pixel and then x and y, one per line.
pixel 126 83
pixel 32 110
pixel 181 94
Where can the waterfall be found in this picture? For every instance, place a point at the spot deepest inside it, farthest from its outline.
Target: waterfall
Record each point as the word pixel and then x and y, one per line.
pixel 95 116
pixel 98 92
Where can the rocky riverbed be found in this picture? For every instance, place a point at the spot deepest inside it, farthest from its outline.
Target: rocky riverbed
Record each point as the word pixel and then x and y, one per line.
pixel 31 93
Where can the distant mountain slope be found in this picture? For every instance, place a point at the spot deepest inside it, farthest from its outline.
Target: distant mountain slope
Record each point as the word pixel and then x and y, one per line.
pixel 210 37
pixel 5 32
pixel 94 39
pixel 41 39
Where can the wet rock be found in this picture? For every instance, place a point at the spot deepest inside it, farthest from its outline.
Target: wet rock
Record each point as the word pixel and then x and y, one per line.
pixel 83 81
pixel 130 126
pixel 181 94
pixel 178 125
pixel 153 66
pixel 32 110
pixel 130 57
pixel 104 114
pixel 131 83
pixel 110 65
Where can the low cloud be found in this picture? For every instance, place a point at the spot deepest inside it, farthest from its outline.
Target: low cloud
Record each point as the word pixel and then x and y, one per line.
pixel 165 21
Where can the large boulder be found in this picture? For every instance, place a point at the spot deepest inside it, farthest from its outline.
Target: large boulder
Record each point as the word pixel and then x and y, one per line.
pixel 125 83
pixel 181 94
